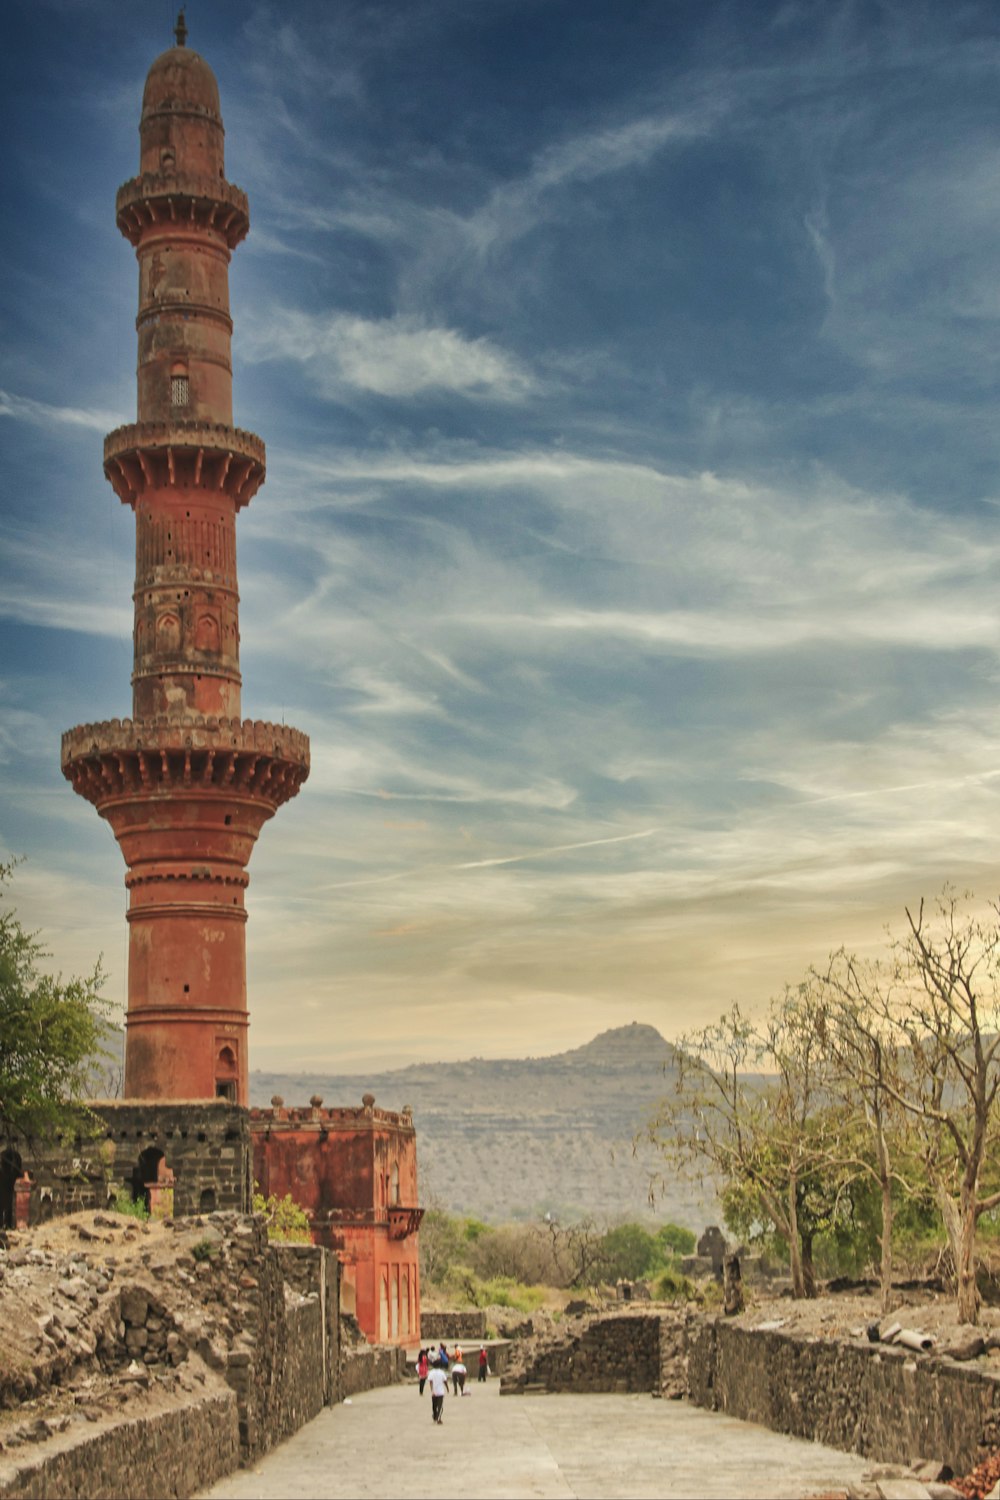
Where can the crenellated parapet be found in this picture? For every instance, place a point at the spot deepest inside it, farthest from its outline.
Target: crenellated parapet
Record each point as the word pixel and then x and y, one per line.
pixel 345 1118
pixel 190 730
pixel 207 456
pixel 172 198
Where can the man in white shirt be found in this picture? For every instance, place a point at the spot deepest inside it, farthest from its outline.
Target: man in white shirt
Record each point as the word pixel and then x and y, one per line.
pixel 437 1379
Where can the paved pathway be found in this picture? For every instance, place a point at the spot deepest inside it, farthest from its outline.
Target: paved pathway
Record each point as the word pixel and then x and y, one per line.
pixel 384 1444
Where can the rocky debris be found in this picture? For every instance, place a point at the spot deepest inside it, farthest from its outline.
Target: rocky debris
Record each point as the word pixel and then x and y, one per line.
pixel 123 1314
pixel 923 1479
pixel 983 1483
pixel 850 1315
pixel 969 1344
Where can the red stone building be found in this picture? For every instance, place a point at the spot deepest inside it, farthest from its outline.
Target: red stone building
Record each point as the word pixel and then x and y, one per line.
pixel 186 783
pixel 355 1173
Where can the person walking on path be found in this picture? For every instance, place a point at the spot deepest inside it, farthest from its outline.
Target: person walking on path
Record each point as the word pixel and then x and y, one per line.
pixel 443 1359
pixel 439 1389
pixel 422 1368
pixel 458 1373
pixel 484 1362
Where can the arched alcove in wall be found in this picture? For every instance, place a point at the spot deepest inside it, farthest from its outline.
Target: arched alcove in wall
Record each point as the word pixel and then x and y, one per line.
pixel 150 1168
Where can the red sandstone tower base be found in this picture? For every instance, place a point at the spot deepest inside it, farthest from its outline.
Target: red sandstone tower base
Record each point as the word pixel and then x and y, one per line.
pixel 186 783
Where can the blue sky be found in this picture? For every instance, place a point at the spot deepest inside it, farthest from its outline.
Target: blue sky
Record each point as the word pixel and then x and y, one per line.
pixel 630 542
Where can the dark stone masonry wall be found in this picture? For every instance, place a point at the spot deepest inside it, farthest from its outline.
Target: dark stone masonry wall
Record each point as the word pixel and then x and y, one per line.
pixel 206 1147
pixel 314 1273
pixel 624 1354
pixel 170 1453
pixel 284 1367
pixel 882 1402
pixel 370 1366
pixel 467 1327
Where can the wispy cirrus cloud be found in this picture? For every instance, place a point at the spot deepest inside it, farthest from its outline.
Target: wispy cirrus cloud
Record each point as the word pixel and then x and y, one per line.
pixel 41 414
pixel 402 356
pixel 628 547
pixel 516 207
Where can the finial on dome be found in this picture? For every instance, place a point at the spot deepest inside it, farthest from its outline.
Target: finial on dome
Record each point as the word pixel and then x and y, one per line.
pixel 180 30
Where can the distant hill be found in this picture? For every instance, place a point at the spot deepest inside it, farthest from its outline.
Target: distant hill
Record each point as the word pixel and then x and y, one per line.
pixel 521 1137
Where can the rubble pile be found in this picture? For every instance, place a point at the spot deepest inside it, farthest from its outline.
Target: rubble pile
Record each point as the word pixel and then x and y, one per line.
pixel 102 1312
pixel 923 1479
pixel 982 1482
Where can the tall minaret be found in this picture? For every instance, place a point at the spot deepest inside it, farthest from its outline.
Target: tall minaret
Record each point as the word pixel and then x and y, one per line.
pixel 186 784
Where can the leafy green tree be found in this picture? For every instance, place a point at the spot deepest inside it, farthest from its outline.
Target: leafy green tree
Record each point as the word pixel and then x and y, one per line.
pixel 627 1252
pixel 53 1034
pixel 674 1239
pixel 442 1245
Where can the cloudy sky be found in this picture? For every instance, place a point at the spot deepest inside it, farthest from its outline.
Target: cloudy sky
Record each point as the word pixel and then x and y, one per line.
pixel 630 542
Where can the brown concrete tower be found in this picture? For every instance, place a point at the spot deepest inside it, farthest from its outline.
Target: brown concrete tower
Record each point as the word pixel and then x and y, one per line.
pixel 186 784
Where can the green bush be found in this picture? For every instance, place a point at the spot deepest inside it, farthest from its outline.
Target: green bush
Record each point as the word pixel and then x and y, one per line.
pixel 205 1250
pixel 469 1290
pixel 504 1291
pixel 673 1286
pixel 124 1203
pixel 286 1220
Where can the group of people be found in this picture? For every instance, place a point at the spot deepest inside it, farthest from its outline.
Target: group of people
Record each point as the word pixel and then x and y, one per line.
pixel 434 1366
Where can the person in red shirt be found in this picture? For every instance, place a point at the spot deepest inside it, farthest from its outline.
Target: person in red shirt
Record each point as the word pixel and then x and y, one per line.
pixel 484 1363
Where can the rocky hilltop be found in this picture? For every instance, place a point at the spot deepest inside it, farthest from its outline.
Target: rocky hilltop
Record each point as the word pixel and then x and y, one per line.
pixel 521 1137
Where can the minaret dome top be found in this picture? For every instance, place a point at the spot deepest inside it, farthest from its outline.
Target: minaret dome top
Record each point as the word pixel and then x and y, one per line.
pixel 180 80
pixel 181 130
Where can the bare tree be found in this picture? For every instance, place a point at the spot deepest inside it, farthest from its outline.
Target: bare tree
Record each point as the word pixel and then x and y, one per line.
pixel 945 1006
pixel 853 1019
pixel 751 1104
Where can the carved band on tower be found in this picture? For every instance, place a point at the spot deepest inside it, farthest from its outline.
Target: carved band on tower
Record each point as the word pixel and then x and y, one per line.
pixel 186 784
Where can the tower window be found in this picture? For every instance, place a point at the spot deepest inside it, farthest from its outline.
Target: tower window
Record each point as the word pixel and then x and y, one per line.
pixel 179 390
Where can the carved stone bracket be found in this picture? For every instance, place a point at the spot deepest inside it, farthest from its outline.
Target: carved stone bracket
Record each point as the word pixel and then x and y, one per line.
pixel 403 1222
pixel 199 455
pixel 171 197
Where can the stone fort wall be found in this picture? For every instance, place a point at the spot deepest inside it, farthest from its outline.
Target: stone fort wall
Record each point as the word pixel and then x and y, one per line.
pixel 465 1327
pixel 205 1148
pixel 873 1399
pixel 174 1452
pixel 882 1402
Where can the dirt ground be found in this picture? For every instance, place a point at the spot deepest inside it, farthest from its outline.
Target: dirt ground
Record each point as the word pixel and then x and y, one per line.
pixel 849 1314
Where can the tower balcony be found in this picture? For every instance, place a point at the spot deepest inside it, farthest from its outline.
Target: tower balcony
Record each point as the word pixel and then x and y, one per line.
pixel 193 759
pixel 200 455
pixel 176 198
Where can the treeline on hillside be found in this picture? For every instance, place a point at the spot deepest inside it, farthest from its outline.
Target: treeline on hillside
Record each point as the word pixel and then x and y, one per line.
pixel 876 1123
pixel 512 1265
